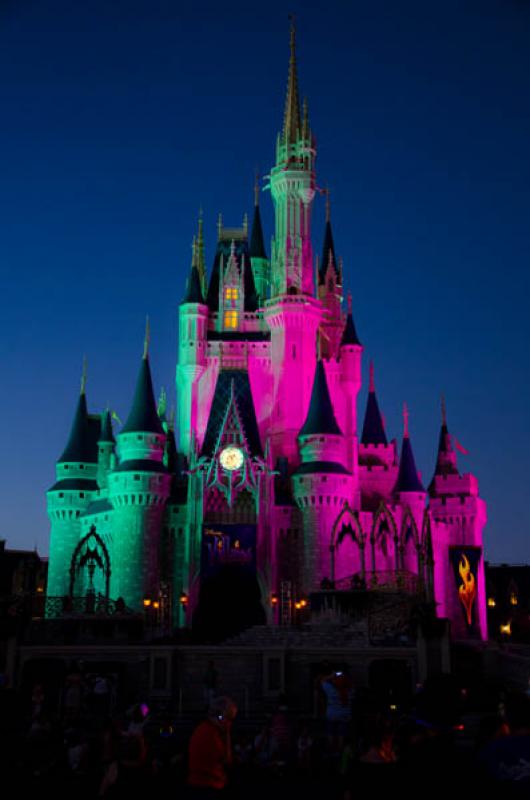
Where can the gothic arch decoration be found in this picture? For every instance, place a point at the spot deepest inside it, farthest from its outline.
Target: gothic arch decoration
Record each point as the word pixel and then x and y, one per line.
pixel 346 524
pixel 384 532
pixel 91 553
pixel 409 543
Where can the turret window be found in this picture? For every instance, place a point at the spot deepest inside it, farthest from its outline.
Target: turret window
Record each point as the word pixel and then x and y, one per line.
pixel 230 319
pixel 231 293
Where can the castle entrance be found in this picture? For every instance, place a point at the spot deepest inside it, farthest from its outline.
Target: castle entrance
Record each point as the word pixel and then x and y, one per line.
pixel 229 597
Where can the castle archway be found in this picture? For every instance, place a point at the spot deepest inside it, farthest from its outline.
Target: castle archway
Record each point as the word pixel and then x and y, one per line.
pixel 90 566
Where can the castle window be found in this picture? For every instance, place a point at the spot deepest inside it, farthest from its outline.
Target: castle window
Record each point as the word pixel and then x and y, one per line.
pixel 230 319
pixel 81 494
pixel 66 466
pixel 231 293
pixel 136 477
pixel 61 494
pixel 81 466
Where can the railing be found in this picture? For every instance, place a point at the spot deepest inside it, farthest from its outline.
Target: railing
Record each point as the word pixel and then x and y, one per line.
pixel 89 605
pixel 380 581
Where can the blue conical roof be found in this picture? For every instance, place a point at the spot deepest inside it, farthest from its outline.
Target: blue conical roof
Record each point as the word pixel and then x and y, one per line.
pixel 257 244
pixel 81 447
pixel 107 434
pixel 193 292
pixel 320 416
pixel 328 248
pixel 143 416
pixel 349 335
pixel 407 479
pixel 373 428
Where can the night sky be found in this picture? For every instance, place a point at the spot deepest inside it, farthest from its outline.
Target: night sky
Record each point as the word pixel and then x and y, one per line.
pixel 120 118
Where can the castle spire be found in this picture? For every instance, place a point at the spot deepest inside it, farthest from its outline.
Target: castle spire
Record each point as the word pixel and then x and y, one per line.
pixel 320 415
pixel 194 289
pixel 291 118
pixel 107 434
pixel 199 254
pixel 349 334
pixel 257 244
pixel 446 457
pixel 408 479
pixel 143 416
pixel 83 376
pixel 373 427
pixel 328 249
pixel 80 447
pixel 147 338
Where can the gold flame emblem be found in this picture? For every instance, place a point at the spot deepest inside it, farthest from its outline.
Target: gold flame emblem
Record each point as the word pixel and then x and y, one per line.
pixel 467 591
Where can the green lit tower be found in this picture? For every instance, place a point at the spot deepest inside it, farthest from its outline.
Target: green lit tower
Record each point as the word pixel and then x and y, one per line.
pixel 71 494
pixel 138 492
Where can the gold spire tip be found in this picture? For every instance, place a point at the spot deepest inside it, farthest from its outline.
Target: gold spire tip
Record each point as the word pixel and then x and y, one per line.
pixel 84 375
pixel 405 421
pixel 147 337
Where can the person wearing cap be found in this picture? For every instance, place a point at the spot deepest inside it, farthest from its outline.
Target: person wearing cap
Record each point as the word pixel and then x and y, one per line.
pixel 210 750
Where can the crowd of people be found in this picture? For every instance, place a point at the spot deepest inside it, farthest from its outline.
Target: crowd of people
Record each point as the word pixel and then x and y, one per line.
pixel 84 745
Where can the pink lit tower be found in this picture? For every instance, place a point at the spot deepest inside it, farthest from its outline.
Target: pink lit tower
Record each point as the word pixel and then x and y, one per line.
pixel 263 484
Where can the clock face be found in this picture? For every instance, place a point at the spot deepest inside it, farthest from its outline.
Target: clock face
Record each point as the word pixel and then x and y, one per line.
pixel 231 458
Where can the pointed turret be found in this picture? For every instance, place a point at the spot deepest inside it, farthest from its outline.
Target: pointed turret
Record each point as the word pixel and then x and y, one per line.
pixel 107 434
pixel 81 447
pixel 320 416
pixel 292 125
pixel 408 479
pixel 328 250
pixel 257 244
pixel 194 284
pixel 143 416
pixel 349 335
pixel 446 457
pixel 373 427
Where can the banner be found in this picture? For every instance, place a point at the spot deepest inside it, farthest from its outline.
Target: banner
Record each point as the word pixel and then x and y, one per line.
pixel 465 561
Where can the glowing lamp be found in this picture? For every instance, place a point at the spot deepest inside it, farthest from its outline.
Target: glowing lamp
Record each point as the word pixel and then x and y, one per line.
pixel 147 602
pixel 40 589
pixel 184 599
pixel 491 602
pixel 156 604
pixel 303 603
pixel 513 599
pixel 506 629
pixel 298 606
pixel 274 600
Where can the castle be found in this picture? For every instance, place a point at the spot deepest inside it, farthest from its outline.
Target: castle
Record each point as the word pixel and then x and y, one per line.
pixel 261 486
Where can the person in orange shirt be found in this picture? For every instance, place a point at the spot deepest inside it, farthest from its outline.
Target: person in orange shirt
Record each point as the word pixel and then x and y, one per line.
pixel 210 750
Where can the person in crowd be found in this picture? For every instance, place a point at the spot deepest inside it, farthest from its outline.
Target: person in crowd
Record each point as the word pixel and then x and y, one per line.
pixel 338 688
pixel 210 750
pixel 504 763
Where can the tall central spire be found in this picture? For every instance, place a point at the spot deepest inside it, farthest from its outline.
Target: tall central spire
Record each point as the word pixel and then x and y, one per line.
pixel 292 124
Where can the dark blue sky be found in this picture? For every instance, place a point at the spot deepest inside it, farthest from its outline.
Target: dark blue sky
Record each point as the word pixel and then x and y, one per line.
pixel 119 118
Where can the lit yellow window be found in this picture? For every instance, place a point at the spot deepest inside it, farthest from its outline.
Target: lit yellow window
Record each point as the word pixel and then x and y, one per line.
pixel 513 599
pixel 230 319
pixel 231 293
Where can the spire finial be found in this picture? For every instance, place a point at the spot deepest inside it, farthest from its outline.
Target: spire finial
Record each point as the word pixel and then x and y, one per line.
pixel 194 252
pixel 349 301
pixel 219 225
pixel 291 120
pixel 444 411
pixel 147 338
pixel 371 388
pixel 256 189
pixel 84 376
pixel 328 203
pixel 405 421
pixel 245 222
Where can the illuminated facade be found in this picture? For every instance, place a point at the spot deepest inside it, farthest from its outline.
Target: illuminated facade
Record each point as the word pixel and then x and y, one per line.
pixel 263 470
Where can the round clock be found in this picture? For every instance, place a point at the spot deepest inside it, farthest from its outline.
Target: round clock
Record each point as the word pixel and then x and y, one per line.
pixel 231 458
